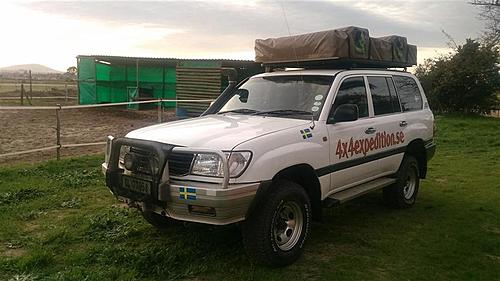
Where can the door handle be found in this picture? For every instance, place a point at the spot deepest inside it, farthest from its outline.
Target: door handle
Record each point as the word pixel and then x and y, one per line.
pixel 403 124
pixel 370 130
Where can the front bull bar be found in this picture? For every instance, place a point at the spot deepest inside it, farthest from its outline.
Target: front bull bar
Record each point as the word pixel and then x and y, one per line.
pixel 113 171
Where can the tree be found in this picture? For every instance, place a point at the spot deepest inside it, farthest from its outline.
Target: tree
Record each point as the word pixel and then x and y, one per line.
pixel 71 73
pixel 72 70
pixel 466 80
pixel 490 12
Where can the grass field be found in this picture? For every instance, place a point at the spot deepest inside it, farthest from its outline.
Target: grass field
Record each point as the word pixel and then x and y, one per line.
pixel 58 222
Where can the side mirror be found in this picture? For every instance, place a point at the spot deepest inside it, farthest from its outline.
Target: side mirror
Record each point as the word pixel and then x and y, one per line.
pixel 345 113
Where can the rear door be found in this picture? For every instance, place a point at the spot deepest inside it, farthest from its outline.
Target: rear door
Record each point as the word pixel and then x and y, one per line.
pixel 347 149
pixel 419 118
pixel 388 136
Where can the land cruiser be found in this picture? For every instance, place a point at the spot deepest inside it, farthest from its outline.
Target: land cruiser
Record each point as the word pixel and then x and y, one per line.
pixel 274 150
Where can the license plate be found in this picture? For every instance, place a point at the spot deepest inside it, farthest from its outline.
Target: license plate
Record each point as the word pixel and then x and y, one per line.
pixel 137 185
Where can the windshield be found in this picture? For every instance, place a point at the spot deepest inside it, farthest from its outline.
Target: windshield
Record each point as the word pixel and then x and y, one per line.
pixel 289 96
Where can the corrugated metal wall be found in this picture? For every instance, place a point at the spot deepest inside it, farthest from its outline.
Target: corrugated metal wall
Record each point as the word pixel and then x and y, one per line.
pixel 197 83
pixel 108 78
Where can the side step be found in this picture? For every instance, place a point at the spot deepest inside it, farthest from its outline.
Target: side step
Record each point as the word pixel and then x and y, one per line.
pixel 355 191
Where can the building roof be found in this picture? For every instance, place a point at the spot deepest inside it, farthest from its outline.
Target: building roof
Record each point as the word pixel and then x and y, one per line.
pixel 161 61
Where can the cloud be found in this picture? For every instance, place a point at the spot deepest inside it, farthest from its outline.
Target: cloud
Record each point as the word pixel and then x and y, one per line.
pixel 421 21
pixel 228 28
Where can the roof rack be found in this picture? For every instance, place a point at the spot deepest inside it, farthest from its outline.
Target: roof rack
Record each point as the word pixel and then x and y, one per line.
pixel 336 63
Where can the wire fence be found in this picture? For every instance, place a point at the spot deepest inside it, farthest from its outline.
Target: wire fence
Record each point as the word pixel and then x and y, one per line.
pixel 37 86
pixel 58 108
pixel 28 91
pixel 49 98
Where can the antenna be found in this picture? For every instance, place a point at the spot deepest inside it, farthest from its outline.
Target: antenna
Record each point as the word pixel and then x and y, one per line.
pixel 296 57
pixel 289 33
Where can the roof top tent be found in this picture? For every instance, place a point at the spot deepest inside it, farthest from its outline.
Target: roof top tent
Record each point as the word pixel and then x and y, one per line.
pixel 348 47
pixel 112 79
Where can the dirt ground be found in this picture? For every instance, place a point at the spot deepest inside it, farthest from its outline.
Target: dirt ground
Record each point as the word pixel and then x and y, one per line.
pixel 31 129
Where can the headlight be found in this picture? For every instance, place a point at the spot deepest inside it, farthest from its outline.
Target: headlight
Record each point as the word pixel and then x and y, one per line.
pixel 129 161
pixel 206 164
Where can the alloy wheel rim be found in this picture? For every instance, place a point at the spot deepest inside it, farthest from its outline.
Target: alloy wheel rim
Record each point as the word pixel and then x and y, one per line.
pixel 287 225
pixel 410 184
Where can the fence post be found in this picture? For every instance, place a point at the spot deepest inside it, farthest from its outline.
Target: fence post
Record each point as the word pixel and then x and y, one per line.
pixel 26 94
pixel 22 94
pixel 160 111
pixel 66 92
pixel 58 132
pixel 31 85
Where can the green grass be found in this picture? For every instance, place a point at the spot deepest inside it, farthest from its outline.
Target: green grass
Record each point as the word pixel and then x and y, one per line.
pixel 58 222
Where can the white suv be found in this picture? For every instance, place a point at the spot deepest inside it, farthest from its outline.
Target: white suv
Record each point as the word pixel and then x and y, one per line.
pixel 271 152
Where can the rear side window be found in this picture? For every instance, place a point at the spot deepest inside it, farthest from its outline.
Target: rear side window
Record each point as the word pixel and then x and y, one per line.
pixel 352 91
pixel 384 97
pixel 409 93
pixel 394 96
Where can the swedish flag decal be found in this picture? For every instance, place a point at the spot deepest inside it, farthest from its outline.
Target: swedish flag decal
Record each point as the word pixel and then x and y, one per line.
pixel 187 193
pixel 306 133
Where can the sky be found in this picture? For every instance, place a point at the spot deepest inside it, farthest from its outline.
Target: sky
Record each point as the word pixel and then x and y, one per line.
pixel 53 33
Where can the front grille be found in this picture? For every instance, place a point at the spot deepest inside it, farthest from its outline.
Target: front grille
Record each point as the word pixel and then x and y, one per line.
pixel 179 163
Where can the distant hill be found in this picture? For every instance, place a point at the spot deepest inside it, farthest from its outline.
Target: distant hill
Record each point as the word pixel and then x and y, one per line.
pixel 35 68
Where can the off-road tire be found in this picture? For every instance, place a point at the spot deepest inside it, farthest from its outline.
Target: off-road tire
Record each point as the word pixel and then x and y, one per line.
pixel 158 220
pixel 259 230
pixel 403 193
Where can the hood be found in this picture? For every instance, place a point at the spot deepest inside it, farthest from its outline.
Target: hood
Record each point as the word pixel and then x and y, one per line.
pixel 221 132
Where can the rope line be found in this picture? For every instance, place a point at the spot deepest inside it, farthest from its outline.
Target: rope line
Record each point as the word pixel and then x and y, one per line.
pixel 95 105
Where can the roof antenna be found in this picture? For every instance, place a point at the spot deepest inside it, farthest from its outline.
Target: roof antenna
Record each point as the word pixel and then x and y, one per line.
pixel 289 33
pixel 296 57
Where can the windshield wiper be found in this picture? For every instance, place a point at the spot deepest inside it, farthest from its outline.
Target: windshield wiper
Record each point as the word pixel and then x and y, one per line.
pixel 288 112
pixel 284 112
pixel 239 110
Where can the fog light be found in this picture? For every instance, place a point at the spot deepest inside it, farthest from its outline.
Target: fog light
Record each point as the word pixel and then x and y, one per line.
pixel 155 166
pixel 202 210
pixel 129 161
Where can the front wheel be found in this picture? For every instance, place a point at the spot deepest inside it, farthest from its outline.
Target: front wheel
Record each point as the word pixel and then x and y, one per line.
pixel 403 193
pixel 275 234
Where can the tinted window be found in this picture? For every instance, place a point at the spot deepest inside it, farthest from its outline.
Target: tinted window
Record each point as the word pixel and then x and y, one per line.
pixel 394 97
pixel 352 91
pixel 381 96
pixel 408 92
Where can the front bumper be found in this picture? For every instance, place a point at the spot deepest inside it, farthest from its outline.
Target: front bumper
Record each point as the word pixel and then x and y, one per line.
pixel 211 203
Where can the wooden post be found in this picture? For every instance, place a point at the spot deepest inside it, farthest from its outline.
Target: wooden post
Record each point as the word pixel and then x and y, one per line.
pixel 58 132
pixel 78 91
pixel 66 92
pixel 25 95
pixel 160 111
pixel 22 94
pixel 31 86
pixel 137 76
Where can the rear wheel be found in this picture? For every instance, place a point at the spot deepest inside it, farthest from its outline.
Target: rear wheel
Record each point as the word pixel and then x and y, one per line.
pixel 403 193
pixel 275 234
pixel 157 220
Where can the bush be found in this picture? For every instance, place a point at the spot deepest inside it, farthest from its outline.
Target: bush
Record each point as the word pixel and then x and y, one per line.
pixel 465 81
